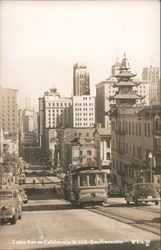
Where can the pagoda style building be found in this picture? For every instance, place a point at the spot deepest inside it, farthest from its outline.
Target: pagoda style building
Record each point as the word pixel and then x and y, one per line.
pixel 131 134
pixel 125 84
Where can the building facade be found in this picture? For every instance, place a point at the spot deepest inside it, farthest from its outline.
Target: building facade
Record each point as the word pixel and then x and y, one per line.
pixel 103 147
pixel 54 112
pixel 8 111
pixel 151 74
pixel 104 90
pixel 132 133
pixel 81 80
pixel 83 111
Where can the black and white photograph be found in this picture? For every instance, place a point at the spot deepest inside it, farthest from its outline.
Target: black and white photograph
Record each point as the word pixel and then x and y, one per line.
pixel 80 125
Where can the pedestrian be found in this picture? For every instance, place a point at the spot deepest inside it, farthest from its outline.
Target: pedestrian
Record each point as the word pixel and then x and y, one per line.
pixel 42 181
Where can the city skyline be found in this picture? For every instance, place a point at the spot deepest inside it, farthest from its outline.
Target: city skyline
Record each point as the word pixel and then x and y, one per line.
pixel 41 41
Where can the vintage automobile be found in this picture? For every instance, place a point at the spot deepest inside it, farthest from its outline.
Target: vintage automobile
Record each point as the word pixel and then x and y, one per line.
pixel 10 205
pixel 114 190
pixel 158 188
pixel 22 179
pixel 23 195
pixel 141 192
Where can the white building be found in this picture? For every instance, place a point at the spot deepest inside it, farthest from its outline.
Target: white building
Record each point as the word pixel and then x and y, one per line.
pixel 83 111
pixel 56 110
pixel 104 90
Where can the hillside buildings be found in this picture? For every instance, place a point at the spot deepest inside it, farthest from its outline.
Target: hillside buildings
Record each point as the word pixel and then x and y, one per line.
pixel 8 111
pixel 81 80
pixel 132 132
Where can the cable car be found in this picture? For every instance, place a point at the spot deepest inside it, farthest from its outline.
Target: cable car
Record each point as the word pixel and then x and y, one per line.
pixel 86 185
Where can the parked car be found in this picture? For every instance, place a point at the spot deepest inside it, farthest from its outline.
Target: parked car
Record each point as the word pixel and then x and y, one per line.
pixel 114 190
pixel 22 179
pixel 141 192
pixel 23 195
pixel 158 188
pixel 10 205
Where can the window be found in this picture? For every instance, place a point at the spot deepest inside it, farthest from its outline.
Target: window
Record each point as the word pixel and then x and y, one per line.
pixel 108 155
pixel 139 152
pixel 92 180
pixel 129 128
pixel 89 152
pixel 133 128
pixel 133 149
pixel 83 180
pixel 145 129
pixel 108 144
pixel 139 128
pixel 148 132
pixel 113 126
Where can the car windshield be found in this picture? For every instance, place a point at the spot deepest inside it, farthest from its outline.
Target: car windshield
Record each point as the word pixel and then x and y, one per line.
pixel 5 195
pixel 145 189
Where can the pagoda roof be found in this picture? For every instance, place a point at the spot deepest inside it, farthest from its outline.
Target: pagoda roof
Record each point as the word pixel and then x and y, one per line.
pixel 125 83
pixel 127 96
pixel 125 74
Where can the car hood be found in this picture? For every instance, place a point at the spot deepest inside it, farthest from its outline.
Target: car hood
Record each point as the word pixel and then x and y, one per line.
pixel 5 203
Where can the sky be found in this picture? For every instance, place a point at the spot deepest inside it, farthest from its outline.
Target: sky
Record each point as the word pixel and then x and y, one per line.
pixel 41 40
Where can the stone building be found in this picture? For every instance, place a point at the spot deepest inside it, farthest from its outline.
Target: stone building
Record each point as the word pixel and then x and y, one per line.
pixel 132 133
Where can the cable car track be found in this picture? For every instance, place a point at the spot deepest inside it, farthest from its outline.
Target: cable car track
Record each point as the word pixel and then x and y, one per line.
pixel 147 209
pixel 126 219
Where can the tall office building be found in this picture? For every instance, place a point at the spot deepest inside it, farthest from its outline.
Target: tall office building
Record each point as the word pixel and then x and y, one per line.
pixel 56 110
pixel 151 74
pixel 8 111
pixel 81 81
pixel 83 111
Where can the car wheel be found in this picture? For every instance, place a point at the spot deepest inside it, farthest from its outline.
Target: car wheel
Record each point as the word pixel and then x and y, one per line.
pixel 13 220
pixel 128 203
pixel 135 201
pixel 20 215
pixel 156 203
pixel 2 221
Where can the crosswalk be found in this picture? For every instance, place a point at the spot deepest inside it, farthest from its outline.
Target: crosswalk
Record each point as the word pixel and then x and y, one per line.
pixel 42 182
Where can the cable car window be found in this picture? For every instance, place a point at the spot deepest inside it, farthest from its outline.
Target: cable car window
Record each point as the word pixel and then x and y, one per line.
pixel 83 180
pixel 92 180
pixel 101 179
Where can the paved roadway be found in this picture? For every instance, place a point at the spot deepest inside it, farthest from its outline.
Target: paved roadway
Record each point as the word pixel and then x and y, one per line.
pixel 53 221
pixel 50 221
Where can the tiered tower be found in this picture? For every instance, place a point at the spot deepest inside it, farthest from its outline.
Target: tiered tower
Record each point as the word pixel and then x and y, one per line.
pixel 125 94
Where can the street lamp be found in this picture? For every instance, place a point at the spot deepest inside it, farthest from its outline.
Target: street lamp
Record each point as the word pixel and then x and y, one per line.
pixel 151 162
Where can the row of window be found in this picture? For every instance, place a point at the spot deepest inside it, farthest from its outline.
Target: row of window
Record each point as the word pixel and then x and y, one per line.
pixel 132 128
pixel 84 119
pixel 58 104
pixel 122 147
pixel 84 124
pixel 84 114
pixel 84 104
pixel 84 109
